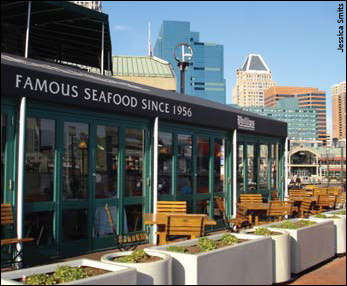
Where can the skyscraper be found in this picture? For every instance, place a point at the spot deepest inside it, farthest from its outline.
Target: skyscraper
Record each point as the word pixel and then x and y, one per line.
pixel 94 5
pixel 338 99
pixel 251 80
pixel 205 75
pixel 308 98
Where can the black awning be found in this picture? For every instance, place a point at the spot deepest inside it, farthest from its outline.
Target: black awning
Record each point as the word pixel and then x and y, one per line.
pixel 49 82
pixel 60 32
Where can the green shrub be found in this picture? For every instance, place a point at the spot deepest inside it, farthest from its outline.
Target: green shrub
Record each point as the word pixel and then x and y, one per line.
pixel 263 231
pixel 136 256
pixel 178 249
pixel 321 216
pixel 295 225
pixel 342 213
pixel 230 239
pixel 206 244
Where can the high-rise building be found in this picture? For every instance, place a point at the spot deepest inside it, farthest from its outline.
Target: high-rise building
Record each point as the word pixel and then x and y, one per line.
pixel 308 98
pixel 302 122
pixel 251 80
pixel 94 5
pixel 205 75
pixel 338 99
pixel 145 70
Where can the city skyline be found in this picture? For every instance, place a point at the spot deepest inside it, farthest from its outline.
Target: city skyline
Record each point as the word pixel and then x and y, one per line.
pixel 301 50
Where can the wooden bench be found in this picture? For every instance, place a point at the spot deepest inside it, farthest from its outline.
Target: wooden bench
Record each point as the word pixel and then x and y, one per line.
pixel 300 193
pixel 8 220
pixel 251 198
pixel 185 225
pixel 172 207
pixel 307 208
pixel 321 191
pixel 241 219
pixel 341 200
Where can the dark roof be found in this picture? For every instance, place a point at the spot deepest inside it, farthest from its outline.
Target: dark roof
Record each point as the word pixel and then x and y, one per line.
pixel 254 63
pixel 207 113
pixel 60 31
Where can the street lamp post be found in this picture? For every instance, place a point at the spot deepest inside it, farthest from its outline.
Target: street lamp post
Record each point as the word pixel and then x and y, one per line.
pixel 183 63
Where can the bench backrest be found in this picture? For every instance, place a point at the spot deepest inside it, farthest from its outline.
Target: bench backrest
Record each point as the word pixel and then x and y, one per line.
pixel 280 208
pixel 321 191
pixel 172 207
pixel 251 198
pixel 326 200
pixel 306 205
pixel 6 214
pixel 334 191
pixel 300 193
pixel 341 199
pixel 185 225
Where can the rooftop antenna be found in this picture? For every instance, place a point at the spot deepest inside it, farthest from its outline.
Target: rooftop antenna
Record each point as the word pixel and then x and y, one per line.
pixel 149 40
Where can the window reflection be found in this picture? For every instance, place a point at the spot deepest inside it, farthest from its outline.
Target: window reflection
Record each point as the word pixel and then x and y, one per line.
pixel 185 167
pixel 102 224
pixel 133 218
pixel 252 172
pixel 164 163
pixel 106 162
pixel 40 227
pixel 219 165
pixel 134 156
pixel 75 174
pixel 3 146
pixel 263 168
pixel 274 165
pixel 75 224
pixel 240 169
pixel 202 207
pixel 39 160
pixel 203 164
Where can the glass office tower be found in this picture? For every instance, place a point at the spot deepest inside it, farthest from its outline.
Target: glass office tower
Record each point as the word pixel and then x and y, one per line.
pixel 205 76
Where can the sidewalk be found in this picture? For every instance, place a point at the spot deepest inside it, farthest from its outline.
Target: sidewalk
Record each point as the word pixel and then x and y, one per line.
pixel 333 273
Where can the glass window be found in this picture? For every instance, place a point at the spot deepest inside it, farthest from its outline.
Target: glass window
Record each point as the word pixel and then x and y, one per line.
pixel 164 163
pixel 133 218
pixel 252 172
pixel 202 207
pixel 75 224
pixel 3 148
pixel 40 227
pixel 106 162
pixel 75 160
pixel 274 166
pixel 102 224
pixel 134 156
pixel 219 165
pixel 39 160
pixel 263 173
pixel 203 163
pixel 185 165
pixel 240 169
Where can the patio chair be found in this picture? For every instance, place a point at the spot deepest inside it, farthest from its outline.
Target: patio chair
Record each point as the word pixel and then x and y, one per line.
pixel 341 200
pixel 326 202
pixel 251 198
pixel 307 208
pixel 125 242
pixel 240 221
pixel 185 225
pixel 172 207
pixel 280 209
pixel 8 221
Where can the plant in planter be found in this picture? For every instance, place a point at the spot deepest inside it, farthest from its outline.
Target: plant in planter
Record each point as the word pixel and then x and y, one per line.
pixel 312 242
pixel 281 251
pixel 221 259
pixel 340 229
pixel 76 272
pixel 152 268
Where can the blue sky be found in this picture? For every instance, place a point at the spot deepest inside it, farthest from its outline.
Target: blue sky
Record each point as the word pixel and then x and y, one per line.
pixel 298 40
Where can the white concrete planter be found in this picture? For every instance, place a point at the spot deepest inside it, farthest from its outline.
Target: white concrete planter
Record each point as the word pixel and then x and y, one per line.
pixel 310 245
pixel 151 273
pixel 340 231
pixel 281 255
pixel 336 212
pixel 247 263
pixel 119 275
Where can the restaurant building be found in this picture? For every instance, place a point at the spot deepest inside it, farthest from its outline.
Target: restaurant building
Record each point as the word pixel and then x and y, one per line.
pixel 74 141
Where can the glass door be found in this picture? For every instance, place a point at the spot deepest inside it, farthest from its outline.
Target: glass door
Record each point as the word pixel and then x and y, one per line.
pixel 7 155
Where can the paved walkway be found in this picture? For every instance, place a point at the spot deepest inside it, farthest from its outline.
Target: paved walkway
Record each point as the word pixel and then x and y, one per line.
pixel 333 273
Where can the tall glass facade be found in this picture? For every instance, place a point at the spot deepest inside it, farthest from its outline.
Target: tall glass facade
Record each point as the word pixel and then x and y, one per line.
pixel 205 76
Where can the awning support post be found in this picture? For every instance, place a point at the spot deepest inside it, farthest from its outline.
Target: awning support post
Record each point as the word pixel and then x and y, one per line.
pixel 234 173
pixel 102 48
pixel 286 147
pixel 155 174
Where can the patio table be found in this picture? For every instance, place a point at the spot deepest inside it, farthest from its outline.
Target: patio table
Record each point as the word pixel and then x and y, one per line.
pixel 254 209
pixel 160 219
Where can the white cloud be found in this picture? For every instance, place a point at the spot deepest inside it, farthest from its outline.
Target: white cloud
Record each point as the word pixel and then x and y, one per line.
pixel 121 28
